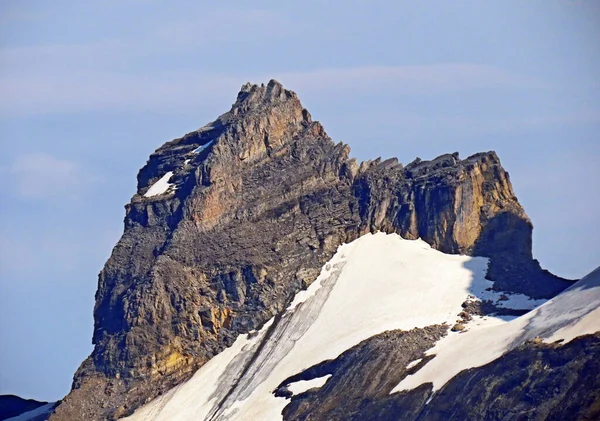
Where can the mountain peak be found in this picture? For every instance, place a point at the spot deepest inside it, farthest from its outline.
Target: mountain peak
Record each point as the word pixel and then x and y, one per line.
pixel 253 96
pixel 230 221
pixel 264 120
pixel 272 88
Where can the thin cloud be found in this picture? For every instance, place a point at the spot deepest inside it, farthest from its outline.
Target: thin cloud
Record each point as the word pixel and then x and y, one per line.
pixel 98 90
pixel 498 124
pixel 471 126
pixel 48 251
pixel 190 35
pixel 128 72
pixel 436 78
pixel 68 89
pixel 41 176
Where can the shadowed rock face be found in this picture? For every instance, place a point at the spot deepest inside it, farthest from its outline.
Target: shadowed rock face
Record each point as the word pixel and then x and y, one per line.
pixel 259 200
pixel 11 406
pixel 533 382
pixel 363 376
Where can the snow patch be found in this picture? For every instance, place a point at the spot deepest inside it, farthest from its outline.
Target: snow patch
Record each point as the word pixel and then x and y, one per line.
pixel 326 272
pixel 303 385
pixel 161 186
pixel 203 147
pixel 413 363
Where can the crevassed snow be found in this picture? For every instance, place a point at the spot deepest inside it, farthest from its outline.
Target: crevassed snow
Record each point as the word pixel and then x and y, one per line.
pixel 573 313
pixel 29 415
pixel 376 283
pixel 304 385
pixel 161 186
pixel 201 148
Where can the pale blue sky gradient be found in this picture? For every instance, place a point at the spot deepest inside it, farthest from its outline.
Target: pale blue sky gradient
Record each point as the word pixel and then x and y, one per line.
pixel 89 89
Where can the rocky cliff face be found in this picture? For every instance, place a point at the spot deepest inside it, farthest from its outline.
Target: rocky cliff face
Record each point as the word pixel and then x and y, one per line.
pixel 251 206
pixel 536 381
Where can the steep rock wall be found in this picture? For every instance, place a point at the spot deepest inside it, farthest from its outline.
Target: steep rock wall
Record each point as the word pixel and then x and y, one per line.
pixel 259 200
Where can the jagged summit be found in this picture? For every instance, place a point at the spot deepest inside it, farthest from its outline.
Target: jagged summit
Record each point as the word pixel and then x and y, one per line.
pixel 260 122
pixel 230 221
pixel 253 96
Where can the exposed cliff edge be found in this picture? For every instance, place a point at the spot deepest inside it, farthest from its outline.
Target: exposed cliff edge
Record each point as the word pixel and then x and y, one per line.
pixel 230 221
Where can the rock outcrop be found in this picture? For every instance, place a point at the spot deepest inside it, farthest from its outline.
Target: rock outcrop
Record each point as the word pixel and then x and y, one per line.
pixel 252 205
pixel 536 381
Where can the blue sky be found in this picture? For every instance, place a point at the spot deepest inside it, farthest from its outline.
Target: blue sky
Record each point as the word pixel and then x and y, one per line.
pixel 89 89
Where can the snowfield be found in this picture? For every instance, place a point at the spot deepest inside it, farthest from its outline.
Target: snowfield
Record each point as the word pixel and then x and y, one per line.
pixel 574 312
pixel 376 283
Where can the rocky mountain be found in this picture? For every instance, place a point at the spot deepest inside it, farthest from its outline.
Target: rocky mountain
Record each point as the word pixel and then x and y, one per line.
pixel 232 224
pixel 14 408
pixel 11 406
pixel 370 340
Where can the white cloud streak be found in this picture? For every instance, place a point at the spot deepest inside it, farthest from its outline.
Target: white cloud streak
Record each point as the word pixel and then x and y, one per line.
pixel 436 78
pixel 60 89
pixel 40 176
pixel 135 71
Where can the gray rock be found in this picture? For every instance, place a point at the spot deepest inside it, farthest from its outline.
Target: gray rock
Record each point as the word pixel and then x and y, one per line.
pixel 536 381
pixel 260 200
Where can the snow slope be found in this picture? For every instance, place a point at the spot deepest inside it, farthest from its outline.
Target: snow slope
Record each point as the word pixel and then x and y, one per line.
pixel 574 312
pixel 376 283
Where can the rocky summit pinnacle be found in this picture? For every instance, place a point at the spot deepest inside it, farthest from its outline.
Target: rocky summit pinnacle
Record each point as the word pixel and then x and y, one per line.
pixel 230 221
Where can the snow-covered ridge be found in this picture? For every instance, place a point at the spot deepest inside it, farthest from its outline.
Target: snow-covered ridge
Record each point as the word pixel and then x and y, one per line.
pixel 376 283
pixel 573 313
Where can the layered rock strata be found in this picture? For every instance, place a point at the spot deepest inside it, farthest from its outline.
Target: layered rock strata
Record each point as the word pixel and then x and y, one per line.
pixel 248 210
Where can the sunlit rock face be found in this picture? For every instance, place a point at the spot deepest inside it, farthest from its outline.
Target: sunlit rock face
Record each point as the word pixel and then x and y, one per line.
pixel 229 222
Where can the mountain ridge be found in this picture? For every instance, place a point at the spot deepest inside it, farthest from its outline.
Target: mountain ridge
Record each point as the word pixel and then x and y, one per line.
pixel 246 211
pixel 371 339
pixel 12 406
